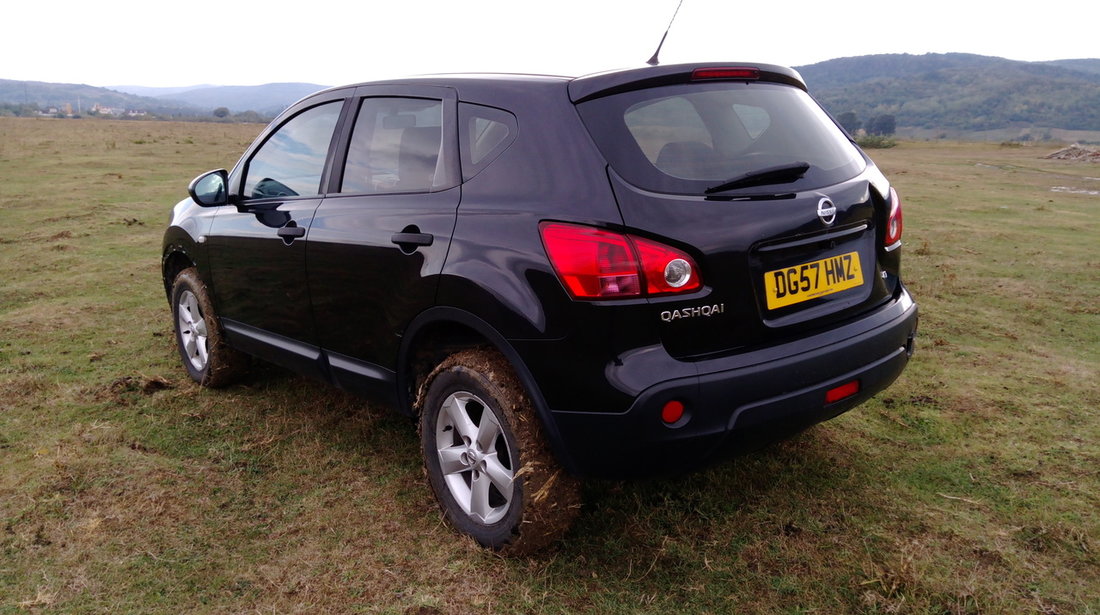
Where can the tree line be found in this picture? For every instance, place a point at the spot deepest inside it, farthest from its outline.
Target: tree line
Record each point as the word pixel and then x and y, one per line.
pixel 221 114
pixel 881 125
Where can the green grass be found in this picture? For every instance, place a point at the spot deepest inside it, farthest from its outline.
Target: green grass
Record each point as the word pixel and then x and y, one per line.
pixel 970 487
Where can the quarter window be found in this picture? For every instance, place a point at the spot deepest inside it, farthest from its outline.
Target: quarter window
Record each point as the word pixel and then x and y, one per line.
pixel 484 132
pixel 290 163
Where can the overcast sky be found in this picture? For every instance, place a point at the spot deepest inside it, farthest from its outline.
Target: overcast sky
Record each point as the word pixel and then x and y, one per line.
pixel 248 42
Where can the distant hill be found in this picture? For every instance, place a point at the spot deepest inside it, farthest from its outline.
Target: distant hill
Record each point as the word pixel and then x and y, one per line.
pixel 961 91
pixel 154 92
pixel 268 99
pixel 957 92
pixel 81 98
pixel 265 100
pixel 1085 66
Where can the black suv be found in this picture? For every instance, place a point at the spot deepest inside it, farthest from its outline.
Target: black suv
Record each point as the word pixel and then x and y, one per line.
pixel 618 274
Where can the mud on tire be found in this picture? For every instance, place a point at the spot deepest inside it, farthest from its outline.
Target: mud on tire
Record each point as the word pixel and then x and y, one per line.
pixel 199 336
pixel 489 464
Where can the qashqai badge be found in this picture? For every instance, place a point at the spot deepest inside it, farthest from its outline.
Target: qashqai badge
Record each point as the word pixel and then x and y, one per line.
pixel 826 211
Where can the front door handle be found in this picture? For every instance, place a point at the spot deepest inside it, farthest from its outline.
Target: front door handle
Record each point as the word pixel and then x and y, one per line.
pixel 412 240
pixel 290 232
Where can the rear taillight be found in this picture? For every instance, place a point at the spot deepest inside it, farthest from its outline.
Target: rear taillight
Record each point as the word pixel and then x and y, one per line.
pixel 666 270
pixel 596 264
pixel 892 239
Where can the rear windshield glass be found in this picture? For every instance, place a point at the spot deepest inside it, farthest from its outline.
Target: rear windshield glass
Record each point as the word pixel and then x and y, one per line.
pixel 687 138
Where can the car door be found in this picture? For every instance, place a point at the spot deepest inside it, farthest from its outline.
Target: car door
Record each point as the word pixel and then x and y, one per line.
pixel 378 241
pixel 257 247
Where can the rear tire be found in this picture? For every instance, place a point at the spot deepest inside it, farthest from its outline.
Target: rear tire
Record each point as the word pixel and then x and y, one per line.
pixel 199 336
pixel 487 459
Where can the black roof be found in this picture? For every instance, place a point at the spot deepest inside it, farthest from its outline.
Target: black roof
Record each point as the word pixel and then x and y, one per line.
pixel 473 86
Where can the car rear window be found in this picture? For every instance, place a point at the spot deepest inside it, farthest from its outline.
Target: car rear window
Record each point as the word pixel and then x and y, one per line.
pixel 687 138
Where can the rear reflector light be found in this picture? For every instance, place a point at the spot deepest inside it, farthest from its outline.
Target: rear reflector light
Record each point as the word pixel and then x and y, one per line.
pixel 672 412
pixel 703 74
pixel 596 264
pixel 843 391
pixel 893 221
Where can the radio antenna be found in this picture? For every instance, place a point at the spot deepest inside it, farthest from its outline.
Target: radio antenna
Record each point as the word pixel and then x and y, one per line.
pixel 653 61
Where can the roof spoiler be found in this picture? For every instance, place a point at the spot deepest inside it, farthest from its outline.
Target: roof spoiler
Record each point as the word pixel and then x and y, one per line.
pixel 614 82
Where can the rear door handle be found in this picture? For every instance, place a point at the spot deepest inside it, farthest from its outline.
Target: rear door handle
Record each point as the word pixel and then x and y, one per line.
pixel 409 240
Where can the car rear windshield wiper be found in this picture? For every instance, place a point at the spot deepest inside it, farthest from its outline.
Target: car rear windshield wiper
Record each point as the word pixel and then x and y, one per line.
pixel 781 174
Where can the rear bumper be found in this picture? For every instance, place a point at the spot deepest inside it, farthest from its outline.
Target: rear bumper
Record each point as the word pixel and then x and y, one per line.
pixel 740 403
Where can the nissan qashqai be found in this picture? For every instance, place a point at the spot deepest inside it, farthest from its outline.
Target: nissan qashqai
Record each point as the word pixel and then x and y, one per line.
pixel 614 275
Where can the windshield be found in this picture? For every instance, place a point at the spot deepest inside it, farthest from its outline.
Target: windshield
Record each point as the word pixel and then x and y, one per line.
pixel 688 138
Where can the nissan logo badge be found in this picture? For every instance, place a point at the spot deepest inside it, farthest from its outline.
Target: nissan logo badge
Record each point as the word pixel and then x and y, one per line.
pixel 826 211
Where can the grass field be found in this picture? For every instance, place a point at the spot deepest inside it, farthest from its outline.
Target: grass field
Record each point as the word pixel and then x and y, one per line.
pixel 970 487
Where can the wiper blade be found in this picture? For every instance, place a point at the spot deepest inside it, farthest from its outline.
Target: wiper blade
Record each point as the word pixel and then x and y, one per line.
pixel 781 174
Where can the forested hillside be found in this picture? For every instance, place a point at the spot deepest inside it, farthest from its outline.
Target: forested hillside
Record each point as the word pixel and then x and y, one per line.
pixel 961 91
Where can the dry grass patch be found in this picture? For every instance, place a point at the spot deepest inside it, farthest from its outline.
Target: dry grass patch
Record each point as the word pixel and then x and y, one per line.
pixel 970 487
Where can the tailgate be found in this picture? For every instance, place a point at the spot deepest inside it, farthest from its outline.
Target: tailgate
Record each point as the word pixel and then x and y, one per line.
pixel 772 269
pixel 783 214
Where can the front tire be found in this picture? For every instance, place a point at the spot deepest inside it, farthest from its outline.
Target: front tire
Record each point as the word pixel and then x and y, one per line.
pixel 199 336
pixel 487 458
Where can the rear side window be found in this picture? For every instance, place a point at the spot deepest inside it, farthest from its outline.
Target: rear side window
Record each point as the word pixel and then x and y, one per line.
pixel 686 138
pixel 396 146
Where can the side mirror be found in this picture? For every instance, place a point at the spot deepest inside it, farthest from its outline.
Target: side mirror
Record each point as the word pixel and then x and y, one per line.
pixel 209 189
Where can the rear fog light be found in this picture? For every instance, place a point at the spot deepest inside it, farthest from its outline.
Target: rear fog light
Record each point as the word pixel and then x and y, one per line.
pixel 843 391
pixel 672 412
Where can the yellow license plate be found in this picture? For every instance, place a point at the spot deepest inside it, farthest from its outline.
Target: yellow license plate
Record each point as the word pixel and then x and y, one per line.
pixel 807 281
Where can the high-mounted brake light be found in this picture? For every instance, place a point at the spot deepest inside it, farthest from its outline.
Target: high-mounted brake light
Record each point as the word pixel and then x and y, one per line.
pixel 703 74
pixel 596 264
pixel 892 237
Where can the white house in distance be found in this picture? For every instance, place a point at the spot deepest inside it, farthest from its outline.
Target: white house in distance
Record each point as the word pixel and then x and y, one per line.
pixel 116 111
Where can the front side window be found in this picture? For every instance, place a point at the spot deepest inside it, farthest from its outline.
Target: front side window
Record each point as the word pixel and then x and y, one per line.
pixel 395 147
pixel 290 163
